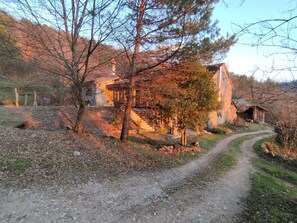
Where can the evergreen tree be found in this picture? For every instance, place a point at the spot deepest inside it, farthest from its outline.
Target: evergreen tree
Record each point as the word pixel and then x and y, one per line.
pixel 188 96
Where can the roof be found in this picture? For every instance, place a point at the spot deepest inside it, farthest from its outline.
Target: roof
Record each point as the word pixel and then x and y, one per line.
pixel 123 83
pixel 243 104
pixel 214 67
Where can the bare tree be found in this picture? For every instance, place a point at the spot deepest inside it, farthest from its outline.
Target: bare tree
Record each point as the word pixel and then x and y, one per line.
pixel 156 31
pixel 279 37
pixel 284 118
pixel 68 34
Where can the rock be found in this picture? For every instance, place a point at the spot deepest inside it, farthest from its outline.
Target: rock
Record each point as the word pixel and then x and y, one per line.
pixel 207 132
pixel 68 127
pixel 76 153
pixel 229 131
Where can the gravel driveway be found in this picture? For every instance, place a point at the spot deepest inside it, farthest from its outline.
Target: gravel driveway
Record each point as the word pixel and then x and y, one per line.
pixel 146 197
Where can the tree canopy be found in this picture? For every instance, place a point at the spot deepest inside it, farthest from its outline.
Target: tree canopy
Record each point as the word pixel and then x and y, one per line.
pixel 188 96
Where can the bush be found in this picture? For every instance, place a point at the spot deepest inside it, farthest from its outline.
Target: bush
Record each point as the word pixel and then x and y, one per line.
pixel 7 102
pixel 115 121
pixel 270 147
pixel 239 122
pixel 287 136
pixel 217 131
pixel 162 130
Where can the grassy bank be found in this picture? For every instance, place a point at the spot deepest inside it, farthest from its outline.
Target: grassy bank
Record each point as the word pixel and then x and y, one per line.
pixel 221 164
pixel 148 148
pixel 226 160
pixel 273 197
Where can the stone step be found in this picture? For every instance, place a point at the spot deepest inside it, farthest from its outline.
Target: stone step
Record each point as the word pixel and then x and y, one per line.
pixel 140 122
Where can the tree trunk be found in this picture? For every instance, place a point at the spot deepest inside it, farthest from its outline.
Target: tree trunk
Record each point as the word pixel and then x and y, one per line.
pixel 35 99
pixel 26 100
pixel 128 109
pixel 79 125
pixel 16 97
pixel 130 96
pixel 183 137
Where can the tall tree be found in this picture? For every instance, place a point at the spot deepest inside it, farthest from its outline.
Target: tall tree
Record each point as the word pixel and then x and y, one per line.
pixel 188 95
pixel 53 32
pixel 163 29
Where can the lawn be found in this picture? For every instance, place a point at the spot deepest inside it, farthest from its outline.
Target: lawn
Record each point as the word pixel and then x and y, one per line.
pixel 273 197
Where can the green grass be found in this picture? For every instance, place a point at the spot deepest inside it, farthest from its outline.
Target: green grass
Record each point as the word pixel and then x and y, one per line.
pixel 223 162
pixel 209 141
pixel 271 200
pixel 276 171
pixel 206 143
pixel 14 164
pixel 6 91
pixel 226 160
pixel 8 117
pixel 273 196
pixel 252 127
pixel 276 160
pixel 148 147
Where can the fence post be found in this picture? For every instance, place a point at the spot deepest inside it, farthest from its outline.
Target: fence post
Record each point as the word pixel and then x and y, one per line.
pixel 35 99
pixel 16 97
pixel 26 99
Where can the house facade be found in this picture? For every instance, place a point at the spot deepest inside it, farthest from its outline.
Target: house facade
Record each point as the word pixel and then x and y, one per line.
pixel 227 111
pixel 95 89
pixel 113 91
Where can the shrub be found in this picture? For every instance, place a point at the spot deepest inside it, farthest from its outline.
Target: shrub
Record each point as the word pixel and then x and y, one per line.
pixel 7 102
pixel 217 131
pixel 115 121
pixel 239 122
pixel 287 136
pixel 270 147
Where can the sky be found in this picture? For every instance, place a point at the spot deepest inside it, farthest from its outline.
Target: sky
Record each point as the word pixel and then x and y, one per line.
pixel 244 59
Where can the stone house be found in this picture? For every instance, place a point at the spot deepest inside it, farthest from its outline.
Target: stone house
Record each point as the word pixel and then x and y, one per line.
pixel 113 91
pixel 227 111
pixel 95 90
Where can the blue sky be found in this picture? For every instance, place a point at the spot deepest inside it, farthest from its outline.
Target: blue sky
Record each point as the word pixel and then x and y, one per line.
pixel 243 59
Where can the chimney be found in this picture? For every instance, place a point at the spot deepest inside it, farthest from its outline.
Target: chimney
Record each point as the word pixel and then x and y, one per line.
pixel 113 66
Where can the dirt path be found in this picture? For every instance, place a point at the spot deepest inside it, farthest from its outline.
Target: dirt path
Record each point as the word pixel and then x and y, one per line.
pixel 147 197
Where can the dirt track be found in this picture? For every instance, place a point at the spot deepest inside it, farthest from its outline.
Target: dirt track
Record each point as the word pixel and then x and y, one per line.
pixel 168 196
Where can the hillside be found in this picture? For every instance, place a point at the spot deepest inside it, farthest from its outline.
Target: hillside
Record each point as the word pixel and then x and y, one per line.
pixel 289 86
pixel 27 65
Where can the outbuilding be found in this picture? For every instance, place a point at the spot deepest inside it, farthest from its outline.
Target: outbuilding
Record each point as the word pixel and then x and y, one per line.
pixel 250 111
